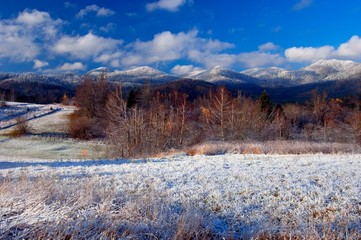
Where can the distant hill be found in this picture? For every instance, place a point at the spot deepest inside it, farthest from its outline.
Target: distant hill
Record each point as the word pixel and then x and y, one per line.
pixel 320 71
pixel 337 77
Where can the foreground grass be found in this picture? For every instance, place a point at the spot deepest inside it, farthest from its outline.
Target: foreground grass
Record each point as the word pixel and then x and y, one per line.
pixel 49 147
pixel 230 196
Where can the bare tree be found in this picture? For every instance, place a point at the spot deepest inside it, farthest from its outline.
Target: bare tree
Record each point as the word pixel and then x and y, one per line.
pixel 2 99
pixel 217 110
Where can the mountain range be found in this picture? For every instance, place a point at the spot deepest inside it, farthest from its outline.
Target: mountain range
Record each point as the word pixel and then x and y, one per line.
pixel 323 74
pixel 318 72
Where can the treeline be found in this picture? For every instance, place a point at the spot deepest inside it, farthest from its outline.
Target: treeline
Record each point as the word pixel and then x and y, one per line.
pixel 145 121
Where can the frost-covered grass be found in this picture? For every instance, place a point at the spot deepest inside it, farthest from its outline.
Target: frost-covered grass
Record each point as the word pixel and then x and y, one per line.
pixel 183 197
pixel 273 147
pixel 28 111
pixel 35 147
pixel 47 138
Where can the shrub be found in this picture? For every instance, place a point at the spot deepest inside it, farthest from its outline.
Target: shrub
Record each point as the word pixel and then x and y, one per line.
pixel 3 103
pixel 21 128
pixel 80 126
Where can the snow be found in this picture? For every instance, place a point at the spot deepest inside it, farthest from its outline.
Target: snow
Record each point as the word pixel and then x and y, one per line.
pixel 243 193
pixel 219 74
pixel 322 70
pixel 28 111
pixel 47 138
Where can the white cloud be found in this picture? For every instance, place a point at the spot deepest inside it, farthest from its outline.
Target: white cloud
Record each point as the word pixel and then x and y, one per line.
pixel 260 59
pixel 182 70
pixel 25 37
pixel 309 54
pixel 245 59
pixel 269 46
pixel 39 22
pixel 114 59
pixel 211 59
pixel 39 64
pixel 167 46
pixel 17 48
pixel 169 5
pixel 105 12
pixel 85 47
pixel 100 12
pixel 72 66
pixel 33 17
pixel 302 4
pixel 351 49
pixel 108 28
pixel 69 5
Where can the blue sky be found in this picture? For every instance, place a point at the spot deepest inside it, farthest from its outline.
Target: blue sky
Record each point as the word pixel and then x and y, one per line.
pixel 176 36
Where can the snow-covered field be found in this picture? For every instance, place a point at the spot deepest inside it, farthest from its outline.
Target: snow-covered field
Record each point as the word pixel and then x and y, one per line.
pixel 231 196
pixel 47 138
pixel 28 111
pixel 43 195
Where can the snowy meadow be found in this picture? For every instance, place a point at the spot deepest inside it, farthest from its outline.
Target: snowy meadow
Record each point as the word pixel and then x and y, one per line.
pixel 53 187
pixel 227 196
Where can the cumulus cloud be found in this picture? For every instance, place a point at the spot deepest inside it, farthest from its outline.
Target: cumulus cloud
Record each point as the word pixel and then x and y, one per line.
pixel 309 54
pixel 15 44
pixel 169 5
pixel 167 46
pixel 245 59
pixel 302 4
pixel 72 66
pixel 99 11
pixel 39 64
pixel 182 70
pixel 114 59
pixel 211 59
pixel 39 22
pixel 69 5
pixel 33 17
pixel 351 49
pixel 269 46
pixel 348 50
pixel 260 59
pixel 20 37
pixel 108 28
pixel 85 47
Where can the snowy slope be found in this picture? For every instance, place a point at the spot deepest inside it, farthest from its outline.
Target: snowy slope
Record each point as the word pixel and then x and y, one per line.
pixel 335 69
pixel 219 74
pixel 322 70
pixel 136 76
pixel 55 79
pixel 233 195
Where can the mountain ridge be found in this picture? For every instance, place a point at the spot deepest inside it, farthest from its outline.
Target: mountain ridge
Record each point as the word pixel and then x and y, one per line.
pixel 251 81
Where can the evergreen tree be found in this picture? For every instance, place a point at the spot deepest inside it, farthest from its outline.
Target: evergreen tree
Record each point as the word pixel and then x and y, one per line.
pixel 265 102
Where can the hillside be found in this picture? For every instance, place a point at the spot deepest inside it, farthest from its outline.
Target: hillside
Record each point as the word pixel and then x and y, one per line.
pixel 332 76
pixel 318 72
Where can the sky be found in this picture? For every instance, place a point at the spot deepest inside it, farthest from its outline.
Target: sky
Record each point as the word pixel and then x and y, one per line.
pixel 175 36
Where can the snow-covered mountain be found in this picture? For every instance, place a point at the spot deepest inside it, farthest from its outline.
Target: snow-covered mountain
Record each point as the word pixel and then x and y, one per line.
pixel 320 71
pixel 136 76
pixel 57 79
pixel 219 75
pixel 335 69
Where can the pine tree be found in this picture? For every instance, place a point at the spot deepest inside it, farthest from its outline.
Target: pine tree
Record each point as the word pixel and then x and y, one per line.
pixel 265 102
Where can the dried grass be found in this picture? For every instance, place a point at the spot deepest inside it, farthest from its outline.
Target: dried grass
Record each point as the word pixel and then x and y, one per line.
pixel 94 208
pixel 272 147
pixel 21 128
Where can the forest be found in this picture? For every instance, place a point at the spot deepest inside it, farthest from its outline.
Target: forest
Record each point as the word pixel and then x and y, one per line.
pixel 146 121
